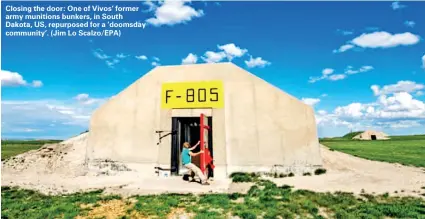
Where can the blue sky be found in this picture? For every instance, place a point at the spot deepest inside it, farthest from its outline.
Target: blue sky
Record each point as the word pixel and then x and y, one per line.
pixel 361 65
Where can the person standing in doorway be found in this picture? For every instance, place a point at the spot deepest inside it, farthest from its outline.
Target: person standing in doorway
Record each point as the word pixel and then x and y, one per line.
pixel 187 155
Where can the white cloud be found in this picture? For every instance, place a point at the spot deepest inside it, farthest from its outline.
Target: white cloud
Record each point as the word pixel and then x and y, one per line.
pixel 109 60
pixel 400 124
pixel 400 105
pixel 310 101
pixel 315 79
pixel 213 57
pixel 98 53
pixel 423 61
pixel 37 83
pixel 370 109
pixel 229 51
pixel 122 56
pixel 171 12
pixel 325 73
pixel 156 59
pixel 384 39
pixel 85 99
pixel 381 39
pixel 401 86
pixel 343 48
pixel 396 5
pixel 327 120
pixel 14 79
pixel 9 78
pixel 31 130
pixel 190 59
pixel 232 50
pixel 324 95
pixel 55 118
pixel 155 64
pixel 409 23
pixel 351 71
pixel 25 130
pixel 328 71
pixel 419 93
pixel 112 63
pixel 141 57
pixel 351 110
pixel 366 68
pixel 322 112
pixel 337 77
pixel 81 97
pixel 397 111
pixel 256 62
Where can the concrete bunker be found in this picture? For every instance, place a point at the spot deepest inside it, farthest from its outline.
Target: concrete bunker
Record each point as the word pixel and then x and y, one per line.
pixel 255 127
pixel 371 135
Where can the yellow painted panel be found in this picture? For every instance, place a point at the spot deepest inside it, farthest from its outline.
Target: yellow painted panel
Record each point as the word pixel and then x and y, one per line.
pixel 200 94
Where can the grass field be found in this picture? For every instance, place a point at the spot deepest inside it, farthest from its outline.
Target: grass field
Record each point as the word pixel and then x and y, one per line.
pixel 11 148
pixel 407 150
pixel 263 199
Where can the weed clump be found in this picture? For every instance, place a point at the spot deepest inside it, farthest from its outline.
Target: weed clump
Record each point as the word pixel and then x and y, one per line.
pixel 307 174
pixel 291 174
pixel 319 171
pixel 386 195
pixel 243 177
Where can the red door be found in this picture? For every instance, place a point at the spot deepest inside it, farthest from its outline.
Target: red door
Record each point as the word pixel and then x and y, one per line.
pixel 204 142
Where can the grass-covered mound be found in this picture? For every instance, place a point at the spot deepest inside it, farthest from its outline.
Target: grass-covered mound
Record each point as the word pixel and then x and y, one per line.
pixel 351 135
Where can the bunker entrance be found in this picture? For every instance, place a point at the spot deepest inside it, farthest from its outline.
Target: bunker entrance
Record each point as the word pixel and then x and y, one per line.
pixel 187 129
pixel 373 137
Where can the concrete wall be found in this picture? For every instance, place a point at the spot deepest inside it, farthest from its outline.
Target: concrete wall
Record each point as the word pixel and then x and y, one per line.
pixel 259 126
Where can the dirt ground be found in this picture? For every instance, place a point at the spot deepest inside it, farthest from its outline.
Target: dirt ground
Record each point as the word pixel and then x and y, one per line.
pixel 352 174
pixel 56 169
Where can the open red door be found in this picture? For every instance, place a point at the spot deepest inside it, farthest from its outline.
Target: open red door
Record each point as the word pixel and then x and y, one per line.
pixel 204 143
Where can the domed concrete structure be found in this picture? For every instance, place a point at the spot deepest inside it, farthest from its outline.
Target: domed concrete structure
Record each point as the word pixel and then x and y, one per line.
pixel 371 135
pixel 254 126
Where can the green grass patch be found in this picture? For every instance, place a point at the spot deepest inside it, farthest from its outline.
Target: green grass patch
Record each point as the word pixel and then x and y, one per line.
pixel 319 171
pixel 264 199
pixel 351 134
pixel 10 148
pixel 159 205
pixel 244 177
pixel 21 203
pixel 407 150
